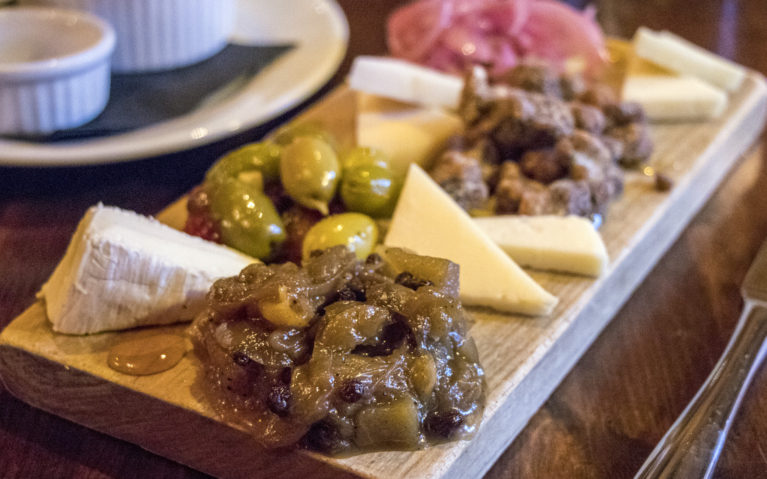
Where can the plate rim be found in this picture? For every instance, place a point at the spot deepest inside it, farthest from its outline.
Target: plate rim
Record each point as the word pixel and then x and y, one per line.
pixel 232 116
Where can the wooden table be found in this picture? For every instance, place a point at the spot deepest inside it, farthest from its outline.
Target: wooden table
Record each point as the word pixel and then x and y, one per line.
pixel 611 409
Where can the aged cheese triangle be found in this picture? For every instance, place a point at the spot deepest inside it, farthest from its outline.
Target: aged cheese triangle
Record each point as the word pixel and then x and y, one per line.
pixel 557 243
pixel 405 81
pixel 405 133
pixel 429 222
pixel 665 95
pixel 677 54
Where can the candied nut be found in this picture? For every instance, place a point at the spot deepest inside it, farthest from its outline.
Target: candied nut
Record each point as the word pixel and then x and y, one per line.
pixel 472 95
pixel 598 95
pixel 460 175
pixel 585 143
pixel 544 165
pixel 529 120
pixel 621 114
pixel 535 77
pixel 535 201
pixel 570 197
pixel 588 117
pixel 572 86
pixel 663 182
pixel 513 188
pixel 636 143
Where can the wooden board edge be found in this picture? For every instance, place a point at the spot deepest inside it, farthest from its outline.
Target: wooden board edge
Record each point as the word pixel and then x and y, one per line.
pixel 159 427
pixel 656 238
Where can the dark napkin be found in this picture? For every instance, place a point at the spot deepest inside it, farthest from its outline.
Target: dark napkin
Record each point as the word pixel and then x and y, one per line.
pixel 143 99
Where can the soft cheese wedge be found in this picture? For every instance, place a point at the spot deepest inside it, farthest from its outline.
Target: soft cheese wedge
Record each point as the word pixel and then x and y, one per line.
pixel 678 55
pixel 406 82
pixel 567 244
pixel 405 133
pixel 123 270
pixel 429 222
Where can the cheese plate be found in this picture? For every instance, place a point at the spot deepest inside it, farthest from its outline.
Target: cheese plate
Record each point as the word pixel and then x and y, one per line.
pixel 524 358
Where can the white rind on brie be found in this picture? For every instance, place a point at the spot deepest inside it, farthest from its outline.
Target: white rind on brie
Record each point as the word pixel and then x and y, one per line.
pixel 567 244
pixel 123 270
pixel 427 221
pixel 406 82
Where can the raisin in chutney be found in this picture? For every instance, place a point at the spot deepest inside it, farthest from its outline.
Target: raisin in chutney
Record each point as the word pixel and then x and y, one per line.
pixel 342 355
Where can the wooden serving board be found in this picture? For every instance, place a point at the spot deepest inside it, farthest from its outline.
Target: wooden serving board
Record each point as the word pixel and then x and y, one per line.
pixel 524 358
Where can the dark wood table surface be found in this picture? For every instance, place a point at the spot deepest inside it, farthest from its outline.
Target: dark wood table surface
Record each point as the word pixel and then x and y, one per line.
pixel 612 408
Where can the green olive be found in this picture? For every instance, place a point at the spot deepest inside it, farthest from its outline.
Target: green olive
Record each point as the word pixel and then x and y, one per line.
pixel 285 135
pixel 247 217
pixel 363 155
pixel 357 231
pixel 370 189
pixel 309 171
pixel 254 163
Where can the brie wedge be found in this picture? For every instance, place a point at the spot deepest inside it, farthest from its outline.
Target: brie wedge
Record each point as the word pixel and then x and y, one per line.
pixel 427 221
pixel 406 82
pixel 681 56
pixel 405 133
pixel 123 270
pixel 567 244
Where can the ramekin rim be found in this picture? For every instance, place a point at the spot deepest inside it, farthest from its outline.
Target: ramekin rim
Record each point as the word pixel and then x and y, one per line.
pixel 65 64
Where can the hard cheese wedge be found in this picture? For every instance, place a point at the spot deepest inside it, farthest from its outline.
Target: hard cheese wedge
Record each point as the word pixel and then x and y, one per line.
pixel 406 133
pixel 429 222
pixel 403 81
pixel 665 95
pixel 123 270
pixel 679 55
pixel 557 243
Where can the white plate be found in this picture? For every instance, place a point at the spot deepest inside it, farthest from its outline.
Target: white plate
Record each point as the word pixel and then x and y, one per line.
pixel 320 33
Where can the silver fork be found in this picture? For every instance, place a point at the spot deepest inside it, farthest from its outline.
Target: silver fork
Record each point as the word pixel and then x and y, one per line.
pixel 691 448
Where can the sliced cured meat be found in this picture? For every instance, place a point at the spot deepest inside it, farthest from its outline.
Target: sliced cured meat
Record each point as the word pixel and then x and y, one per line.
pixel 451 35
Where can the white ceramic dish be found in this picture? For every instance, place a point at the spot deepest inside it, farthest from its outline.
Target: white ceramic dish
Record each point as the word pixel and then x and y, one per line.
pixel 319 31
pixel 54 69
pixel 157 35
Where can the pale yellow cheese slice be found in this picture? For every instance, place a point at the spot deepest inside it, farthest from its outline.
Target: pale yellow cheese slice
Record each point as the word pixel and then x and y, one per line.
pixel 567 244
pixel 427 221
pixel 677 98
pixel 668 96
pixel 406 82
pixel 405 133
pixel 681 56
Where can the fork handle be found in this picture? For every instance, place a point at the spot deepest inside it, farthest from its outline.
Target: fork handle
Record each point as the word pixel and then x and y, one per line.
pixel 691 448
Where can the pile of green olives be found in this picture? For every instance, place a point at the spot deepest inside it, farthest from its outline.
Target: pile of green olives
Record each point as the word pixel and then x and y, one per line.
pixel 251 187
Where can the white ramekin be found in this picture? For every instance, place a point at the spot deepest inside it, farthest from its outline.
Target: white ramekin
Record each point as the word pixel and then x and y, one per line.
pixel 54 69
pixel 155 35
